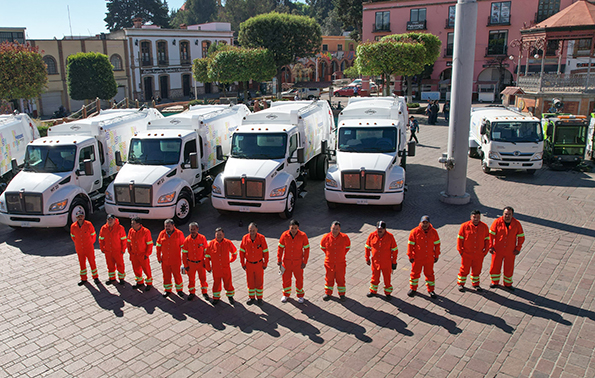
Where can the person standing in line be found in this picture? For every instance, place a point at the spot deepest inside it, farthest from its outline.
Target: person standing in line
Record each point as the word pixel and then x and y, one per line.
pixel 169 254
pixel 506 240
pixel 423 250
pixel 193 257
pixel 473 243
pixel 413 129
pixel 112 242
pixel 446 110
pixel 335 246
pixel 254 257
pixel 292 257
pixel 382 248
pixel 435 108
pixel 140 247
pixel 220 254
pixel 83 235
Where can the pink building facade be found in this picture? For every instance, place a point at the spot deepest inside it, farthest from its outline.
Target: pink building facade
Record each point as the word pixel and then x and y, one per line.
pixel 496 53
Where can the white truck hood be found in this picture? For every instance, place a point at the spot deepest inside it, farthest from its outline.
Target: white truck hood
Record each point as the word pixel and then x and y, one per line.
pixel 369 161
pixel 141 174
pixel 251 168
pixel 35 182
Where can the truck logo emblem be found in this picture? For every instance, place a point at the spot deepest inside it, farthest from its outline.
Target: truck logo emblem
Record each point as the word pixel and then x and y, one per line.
pixel 74 127
pixel 516 153
pixel 175 121
pixel 271 116
pixel 370 111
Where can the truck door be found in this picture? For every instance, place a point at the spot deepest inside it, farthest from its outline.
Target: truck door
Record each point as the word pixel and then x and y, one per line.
pixel 191 176
pixel 93 182
pixel 293 168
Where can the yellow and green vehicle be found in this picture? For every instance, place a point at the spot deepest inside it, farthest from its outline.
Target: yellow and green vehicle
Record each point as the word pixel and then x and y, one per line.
pixel 565 138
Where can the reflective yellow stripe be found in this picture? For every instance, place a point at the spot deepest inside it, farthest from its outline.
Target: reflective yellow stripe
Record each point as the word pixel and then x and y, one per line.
pixel 281 245
pixel 101 238
pixel 307 246
pixel 368 247
pixel 207 256
pixel 492 232
pixel 265 250
pixel 242 250
pixel 123 238
pixel 487 238
pixel 394 249
pixel 519 235
pixel 411 242
pixel 348 247
pixel 321 247
pixel 71 235
pixel 437 242
pixel 461 237
pixel 158 245
pixel 92 234
pixel 149 242
pixel 184 251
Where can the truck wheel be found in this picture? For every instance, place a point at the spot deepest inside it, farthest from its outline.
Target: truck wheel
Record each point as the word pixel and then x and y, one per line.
pixel 313 169
pixel 183 209
pixel 289 203
pixel 321 167
pixel 77 205
pixel 331 205
pixel 473 152
pixel 484 167
pixel 404 162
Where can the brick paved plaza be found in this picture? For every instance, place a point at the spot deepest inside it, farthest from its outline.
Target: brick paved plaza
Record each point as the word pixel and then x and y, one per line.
pixel 52 327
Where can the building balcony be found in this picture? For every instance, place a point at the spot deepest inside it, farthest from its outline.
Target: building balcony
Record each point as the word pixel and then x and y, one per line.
pixel 381 28
pixel 416 25
pixel 496 22
pixel 496 50
pixel 554 83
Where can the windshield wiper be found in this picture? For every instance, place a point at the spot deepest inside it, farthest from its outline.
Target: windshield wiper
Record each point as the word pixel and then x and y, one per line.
pixel 239 156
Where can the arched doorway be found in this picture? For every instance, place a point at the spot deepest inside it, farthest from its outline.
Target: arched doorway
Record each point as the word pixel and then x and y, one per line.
pixel 322 72
pixel 491 81
pixel 186 84
pixel 148 87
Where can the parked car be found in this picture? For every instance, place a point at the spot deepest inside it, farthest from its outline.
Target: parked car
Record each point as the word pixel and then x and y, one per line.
pixel 346 91
pixel 303 93
pixel 358 82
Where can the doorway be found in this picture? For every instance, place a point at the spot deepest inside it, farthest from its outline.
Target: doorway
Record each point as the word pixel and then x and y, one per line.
pixel 148 84
pixel 186 85
pixel 164 86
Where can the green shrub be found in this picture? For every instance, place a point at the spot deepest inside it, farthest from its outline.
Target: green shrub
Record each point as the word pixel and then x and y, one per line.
pixel 413 105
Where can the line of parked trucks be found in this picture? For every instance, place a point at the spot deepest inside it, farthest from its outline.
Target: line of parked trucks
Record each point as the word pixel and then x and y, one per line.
pixel 244 161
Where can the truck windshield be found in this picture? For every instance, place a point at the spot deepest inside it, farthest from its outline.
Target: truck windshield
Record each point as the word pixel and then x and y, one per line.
pixel 154 151
pixel 516 132
pixel 259 146
pixel 570 134
pixel 50 159
pixel 367 139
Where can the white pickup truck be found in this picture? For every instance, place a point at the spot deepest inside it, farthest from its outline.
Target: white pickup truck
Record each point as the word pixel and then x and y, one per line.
pixel 371 153
pixel 271 154
pixel 168 167
pixel 68 170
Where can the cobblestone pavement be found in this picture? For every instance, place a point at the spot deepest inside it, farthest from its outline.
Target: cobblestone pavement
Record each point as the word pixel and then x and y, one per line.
pixel 52 327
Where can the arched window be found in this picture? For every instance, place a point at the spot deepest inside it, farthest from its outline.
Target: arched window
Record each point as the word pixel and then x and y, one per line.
pixel 184 52
pixel 205 48
pixel 50 62
pixel 116 61
pixel 162 53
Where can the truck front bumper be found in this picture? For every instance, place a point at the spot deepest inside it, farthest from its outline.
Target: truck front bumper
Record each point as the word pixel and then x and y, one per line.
pixel 508 164
pixel 357 198
pixel 248 206
pixel 41 220
pixel 161 212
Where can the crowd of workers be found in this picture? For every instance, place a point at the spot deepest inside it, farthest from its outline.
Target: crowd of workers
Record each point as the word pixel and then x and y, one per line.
pixel 193 255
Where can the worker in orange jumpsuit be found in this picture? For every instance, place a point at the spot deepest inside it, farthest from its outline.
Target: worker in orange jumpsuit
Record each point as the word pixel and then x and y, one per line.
pixel 254 257
pixel 83 235
pixel 473 243
pixel 140 247
pixel 292 257
pixel 193 257
pixel 381 254
pixel 335 246
pixel 423 250
pixel 506 239
pixel 220 254
pixel 169 254
pixel 112 242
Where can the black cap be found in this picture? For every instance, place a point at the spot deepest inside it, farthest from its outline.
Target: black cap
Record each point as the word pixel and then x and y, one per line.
pixel 111 216
pixel 425 218
pixel 381 224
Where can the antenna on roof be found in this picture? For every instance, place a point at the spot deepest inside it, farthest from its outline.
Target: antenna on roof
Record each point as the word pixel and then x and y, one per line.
pixel 69 22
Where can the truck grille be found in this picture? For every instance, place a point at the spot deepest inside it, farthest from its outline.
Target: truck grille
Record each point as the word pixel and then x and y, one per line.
pixel 24 203
pixel 244 188
pixel 133 195
pixel 363 181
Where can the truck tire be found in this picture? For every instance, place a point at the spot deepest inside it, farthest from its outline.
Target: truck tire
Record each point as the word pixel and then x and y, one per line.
pixel 313 169
pixel 404 162
pixel 473 152
pixel 321 167
pixel 484 167
pixel 289 203
pixel 77 204
pixel 183 209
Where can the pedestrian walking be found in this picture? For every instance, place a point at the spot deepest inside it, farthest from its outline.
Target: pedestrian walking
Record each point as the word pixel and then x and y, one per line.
pixel 355 90
pixel 292 257
pixel 220 254
pixel 169 254
pixel 434 109
pixel 423 250
pixel 254 257
pixel 428 112
pixel 446 110
pixel 335 246
pixel 83 235
pixel 193 257
pixel 506 240
pixel 473 242
pixel 413 128
pixel 112 242
pixel 381 255
pixel 140 247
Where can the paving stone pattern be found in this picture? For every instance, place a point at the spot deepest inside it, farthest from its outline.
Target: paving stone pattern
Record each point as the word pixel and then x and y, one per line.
pixel 52 327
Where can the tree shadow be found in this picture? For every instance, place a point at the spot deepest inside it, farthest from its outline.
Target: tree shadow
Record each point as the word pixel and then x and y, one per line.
pixel 426 316
pixel 106 300
pixel 378 317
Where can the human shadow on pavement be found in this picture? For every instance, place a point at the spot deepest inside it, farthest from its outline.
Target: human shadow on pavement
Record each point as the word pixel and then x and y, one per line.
pixel 378 317
pixel 426 316
pixel 105 299
pixel 149 301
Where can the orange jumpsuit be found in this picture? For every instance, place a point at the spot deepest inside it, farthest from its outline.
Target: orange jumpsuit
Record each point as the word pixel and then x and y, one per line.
pixel 140 247
pixel 193 256
pixel 112 242
pixel 472 243
pixel 169 253
pixel 219 255
pixel 335 249
pixel 505 240
pixel 293 251
pixel 254 256
pixel 423 247
pixel 384 253
pixel 84 237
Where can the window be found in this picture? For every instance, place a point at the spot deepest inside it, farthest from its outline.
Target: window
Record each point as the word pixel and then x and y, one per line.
pixel 12 37
pixel 500 14
pixel 324 47
pixel 417 19
pixel 450 21
pixel 162 53
pixel 382 22
pixel 293 144
pixel 339 47
pixel 582 47
pixel 205 48
pixel 449 44
pixel 351 47
pixel 185 52
pixel 50 62
pixel 546 9
pixel 87 153
pixel 116 61
pixel 497 42
pixel 189 148
pixel 145 53
pixel 552 47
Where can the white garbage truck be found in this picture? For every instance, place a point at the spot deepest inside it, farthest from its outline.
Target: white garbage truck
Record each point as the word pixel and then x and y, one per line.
pixel 505 139
pixel 272 154
pixel 169 165
pixel 16 131
pixel 68 170
pixel 371 153
pixel 590 150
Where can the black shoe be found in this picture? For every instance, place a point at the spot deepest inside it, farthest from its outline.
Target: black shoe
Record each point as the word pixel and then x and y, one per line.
pixel 411 293
pixel 215 301
pixel 259 302
pixel 191 296
pixel 342 298
pixel 509 288
pixel 96 280
pixel 206 297
pixel 370 294
pixel 250 302
pixel 388 297
pixel 461 288
pixel 138 286
pixel 82 282
pixel 166 294
pixel 110 282
pixel 231 300
pixel 478 289
pixel 181 294
pixel 493 286
pixel 326 298
pixel 122 282
pixel 148 288
pixel 433 295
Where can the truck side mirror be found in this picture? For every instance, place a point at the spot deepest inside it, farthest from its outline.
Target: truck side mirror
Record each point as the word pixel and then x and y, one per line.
pixel 411 148
pixel 300 155
pixel 88 167
pixel 193 160
pixel 482 129
pixel 119 162
pixel 324 147
pixel 14 166
pixel 219 152
pixel 550 129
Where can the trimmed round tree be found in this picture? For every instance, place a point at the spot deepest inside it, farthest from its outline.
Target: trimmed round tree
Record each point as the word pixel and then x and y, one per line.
pixel 90 75
pixel 23 74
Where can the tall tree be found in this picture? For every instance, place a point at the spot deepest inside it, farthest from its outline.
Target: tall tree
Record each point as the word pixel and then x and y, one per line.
pixel 90 75
pixel 195 12
pixel 23 73
pixel 350 13
pixel 120 13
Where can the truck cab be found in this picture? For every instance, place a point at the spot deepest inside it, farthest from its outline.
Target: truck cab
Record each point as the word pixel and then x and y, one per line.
pixel 565 138
pixel 590 151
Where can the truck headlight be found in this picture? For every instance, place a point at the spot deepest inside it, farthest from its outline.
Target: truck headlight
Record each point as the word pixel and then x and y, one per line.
pixel 109 196
pixel 167 198
pixel 332 183
pixel 397 184
pixel 57 206
pixel 216 189
pixel 3 206
pixel 537 156
pixel 494 155
pixel 278 192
